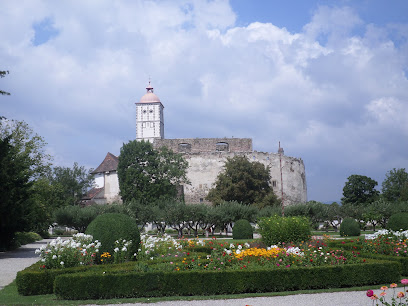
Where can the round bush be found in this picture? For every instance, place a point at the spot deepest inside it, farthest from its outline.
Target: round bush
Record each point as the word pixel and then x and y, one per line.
pixel 398 222
pixel 242 230
pixel 349 227
pixel 277 229
pixel 108 228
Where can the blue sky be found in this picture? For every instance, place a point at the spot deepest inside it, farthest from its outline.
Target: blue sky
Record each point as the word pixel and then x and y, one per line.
pixel 328 79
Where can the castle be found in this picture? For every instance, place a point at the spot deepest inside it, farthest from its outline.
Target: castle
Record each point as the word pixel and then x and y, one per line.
pixel 206 158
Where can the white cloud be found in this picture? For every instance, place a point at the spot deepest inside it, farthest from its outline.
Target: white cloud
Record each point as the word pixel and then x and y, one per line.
pixel 332 93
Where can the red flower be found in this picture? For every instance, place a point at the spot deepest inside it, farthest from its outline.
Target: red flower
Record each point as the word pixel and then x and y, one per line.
pixel 370 293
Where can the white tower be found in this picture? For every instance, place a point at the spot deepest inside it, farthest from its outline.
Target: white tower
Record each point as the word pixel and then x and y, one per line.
pixel 149 117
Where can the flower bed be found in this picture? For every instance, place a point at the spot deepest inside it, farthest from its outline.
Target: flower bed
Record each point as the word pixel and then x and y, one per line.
pixel 160 257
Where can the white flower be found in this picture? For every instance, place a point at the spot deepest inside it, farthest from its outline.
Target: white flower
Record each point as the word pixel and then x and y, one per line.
pixel 247 245
pixel 62 263
pixel 238 251
pixel 124 249
pixel 229 252
pixel 232 246
pixel 54 256
pixel 116 250
pixel 151 258
pixel 239 247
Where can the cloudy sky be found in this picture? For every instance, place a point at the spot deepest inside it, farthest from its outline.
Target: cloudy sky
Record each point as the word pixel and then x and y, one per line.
pixel 328 79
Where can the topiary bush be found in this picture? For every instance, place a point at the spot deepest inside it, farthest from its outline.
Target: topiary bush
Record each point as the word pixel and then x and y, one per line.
pixel 108 228
pixel 349 227
pixel 276 229
pixel 242 230
pixel 398 222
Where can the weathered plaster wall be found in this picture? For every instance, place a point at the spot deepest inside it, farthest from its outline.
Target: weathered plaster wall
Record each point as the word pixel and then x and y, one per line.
pixel 207 156
pixel 112 187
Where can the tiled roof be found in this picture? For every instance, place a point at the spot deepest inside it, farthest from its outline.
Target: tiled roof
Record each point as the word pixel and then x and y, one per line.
pixel 92 193
pixel 110 163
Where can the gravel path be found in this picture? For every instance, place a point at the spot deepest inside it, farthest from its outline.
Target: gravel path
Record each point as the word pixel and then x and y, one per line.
pixel 14 261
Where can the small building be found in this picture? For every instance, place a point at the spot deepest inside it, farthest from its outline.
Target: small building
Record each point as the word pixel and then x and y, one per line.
pixel 106 188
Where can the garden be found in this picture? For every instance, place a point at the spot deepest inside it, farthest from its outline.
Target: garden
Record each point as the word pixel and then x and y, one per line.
pixel 112 260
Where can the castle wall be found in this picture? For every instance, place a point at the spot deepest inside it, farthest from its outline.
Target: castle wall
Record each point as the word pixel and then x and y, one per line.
pixel 204 168
pixel 200 145
pixel 206 158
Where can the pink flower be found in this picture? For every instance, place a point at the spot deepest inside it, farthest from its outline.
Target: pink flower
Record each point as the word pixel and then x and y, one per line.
pixel 383 293
pixel 393 285
pixel 400 294
pixel 370 293
pixel 404 281
pixel 384 288
pixel 374 297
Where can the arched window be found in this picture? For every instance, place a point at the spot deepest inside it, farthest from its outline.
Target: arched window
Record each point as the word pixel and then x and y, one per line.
pixel 222 147
pixel 184 147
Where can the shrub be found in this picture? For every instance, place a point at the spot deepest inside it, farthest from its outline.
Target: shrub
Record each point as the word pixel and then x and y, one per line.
pixel 22 238
pixel 108 228
pixel 349 227
pixel 398 222
pixel 278 229
pixel 242 230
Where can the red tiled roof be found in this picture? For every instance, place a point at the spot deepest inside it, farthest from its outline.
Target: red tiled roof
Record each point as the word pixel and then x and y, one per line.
pixel 110 163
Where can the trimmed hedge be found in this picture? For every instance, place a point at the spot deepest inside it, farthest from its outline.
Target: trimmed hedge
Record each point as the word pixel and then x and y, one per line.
pixel 34 281
pixel 108 228
pixel 349 227
pixel 277 229
pixel 398 222
pixel 99 285
pixel 242 230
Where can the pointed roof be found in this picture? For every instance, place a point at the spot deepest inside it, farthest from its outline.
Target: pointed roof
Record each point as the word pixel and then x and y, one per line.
pixel 110 163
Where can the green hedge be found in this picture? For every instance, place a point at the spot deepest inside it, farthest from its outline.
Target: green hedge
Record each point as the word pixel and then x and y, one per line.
pixel 34 281
pixel 100 285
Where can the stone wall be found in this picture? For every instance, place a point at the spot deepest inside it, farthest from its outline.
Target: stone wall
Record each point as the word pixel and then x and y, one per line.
pixel 204 168
pixel 205 145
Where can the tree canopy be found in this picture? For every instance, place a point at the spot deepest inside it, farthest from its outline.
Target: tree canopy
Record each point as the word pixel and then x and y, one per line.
pixel 147 175
pixel 245 182
pixel 395 185
pixel 2 75
pixel 359 189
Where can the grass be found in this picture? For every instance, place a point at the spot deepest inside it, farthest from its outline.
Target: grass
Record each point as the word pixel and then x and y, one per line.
pixel 10 296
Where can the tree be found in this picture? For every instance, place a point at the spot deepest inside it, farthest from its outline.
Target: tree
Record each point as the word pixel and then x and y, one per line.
pixel 2 75
pixel 359 189
pixel 23 161
pixel 147 175
pixel 29 145
pixel 395 185
pixel 15 192
pixel 69 185
pixel 244 182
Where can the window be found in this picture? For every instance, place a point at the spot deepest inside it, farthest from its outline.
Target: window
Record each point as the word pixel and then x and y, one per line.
pixel 184 147
pixel 222 147
pixel 201 200
pixel 274 183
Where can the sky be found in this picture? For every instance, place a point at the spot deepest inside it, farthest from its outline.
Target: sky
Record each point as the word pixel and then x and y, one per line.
pixel 328 79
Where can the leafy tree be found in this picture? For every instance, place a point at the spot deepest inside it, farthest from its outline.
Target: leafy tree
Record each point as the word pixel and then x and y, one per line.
pixel 29 146
pixel 395 185
pixel 176 216
pixel 69 185
pixel 2 75
pixel 229 212
pixel 197 215
pixel 359 189
pixel 245 182
pixel 15 192
pixel 23 161
pixel 332 215
pixel 76 217
pixel 146 174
